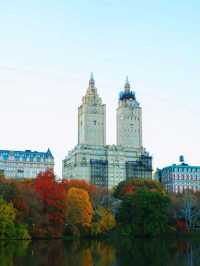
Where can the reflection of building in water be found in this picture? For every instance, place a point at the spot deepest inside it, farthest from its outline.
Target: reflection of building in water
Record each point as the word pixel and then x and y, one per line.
pixel 179 177
pixel 107 165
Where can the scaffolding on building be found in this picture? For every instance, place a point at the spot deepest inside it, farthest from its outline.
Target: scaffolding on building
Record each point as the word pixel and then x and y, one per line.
pixel 99 172
pixel 141 168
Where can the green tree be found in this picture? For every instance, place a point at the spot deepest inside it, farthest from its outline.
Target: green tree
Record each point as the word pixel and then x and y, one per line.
pixel 8 228
pixel 1 175
pixel 8 190
pixel 129 187
pixel 145 213
pixel 7 217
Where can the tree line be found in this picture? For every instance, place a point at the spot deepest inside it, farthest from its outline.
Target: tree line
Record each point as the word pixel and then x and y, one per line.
pixel 48 208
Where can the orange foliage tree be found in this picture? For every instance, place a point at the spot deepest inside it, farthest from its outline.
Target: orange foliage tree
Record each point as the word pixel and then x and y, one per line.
pixel 79 207
pixel 98 195
pixel 76 183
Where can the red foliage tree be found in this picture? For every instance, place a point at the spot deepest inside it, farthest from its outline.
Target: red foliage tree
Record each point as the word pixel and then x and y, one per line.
pixel 181 225
pixel 20 202
pixel 128 189
pixel 53 195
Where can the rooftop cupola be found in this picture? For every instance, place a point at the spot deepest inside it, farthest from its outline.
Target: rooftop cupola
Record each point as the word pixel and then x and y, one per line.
pixel 127 93
pixel 129 119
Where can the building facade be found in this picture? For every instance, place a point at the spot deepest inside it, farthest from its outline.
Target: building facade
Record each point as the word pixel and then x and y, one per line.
pixel 25 164
pixel 129 119
pixel 92 118
pixel 107 165
pixel 180 177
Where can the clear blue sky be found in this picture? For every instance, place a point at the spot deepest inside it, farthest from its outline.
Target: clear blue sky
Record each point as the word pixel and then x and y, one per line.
pixel 48 49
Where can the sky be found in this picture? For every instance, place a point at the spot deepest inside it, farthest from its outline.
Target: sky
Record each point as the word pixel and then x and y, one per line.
pixel 48 49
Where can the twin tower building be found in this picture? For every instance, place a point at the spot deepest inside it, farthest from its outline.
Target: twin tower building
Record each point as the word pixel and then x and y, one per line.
pixel 107 165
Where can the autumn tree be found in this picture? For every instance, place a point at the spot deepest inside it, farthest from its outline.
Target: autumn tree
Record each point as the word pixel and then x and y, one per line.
pixel 53 196
pixel 79 207
pixel 7 217
pixel 186 209
pixel 99 196
pixel 77 183
pixel 92 190
pixel 8 228
pixel 103 221
pixel 30 206
pixel 128 187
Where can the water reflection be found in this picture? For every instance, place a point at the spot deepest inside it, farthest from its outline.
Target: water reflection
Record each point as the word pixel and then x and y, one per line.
pixel 98 253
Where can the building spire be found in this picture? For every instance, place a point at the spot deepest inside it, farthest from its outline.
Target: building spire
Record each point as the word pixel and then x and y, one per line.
pixel 127 84
pixel 91 81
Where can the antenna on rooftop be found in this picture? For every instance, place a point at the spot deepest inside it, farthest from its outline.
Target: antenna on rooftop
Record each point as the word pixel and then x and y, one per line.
pixel 181 159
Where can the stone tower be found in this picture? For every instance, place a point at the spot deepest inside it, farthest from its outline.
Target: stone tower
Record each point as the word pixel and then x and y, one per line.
pixel 92 118
pixel 129 119
pixel 107 165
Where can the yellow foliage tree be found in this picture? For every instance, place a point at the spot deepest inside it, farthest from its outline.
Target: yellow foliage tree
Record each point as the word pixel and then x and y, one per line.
pixel 79 207
pixel 104 221
pixel 7 211
pixel 108 221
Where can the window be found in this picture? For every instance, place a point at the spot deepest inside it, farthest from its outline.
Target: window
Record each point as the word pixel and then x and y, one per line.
pixel 95 122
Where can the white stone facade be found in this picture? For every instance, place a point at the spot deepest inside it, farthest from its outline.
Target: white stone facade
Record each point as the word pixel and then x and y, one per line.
pixel 25 164
pixel 107 165
pixel 129 120
pixel 92 118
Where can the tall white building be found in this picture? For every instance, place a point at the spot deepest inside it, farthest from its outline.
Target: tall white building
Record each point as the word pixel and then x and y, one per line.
pixel 92 118
pixel 107 165
pixel 129 119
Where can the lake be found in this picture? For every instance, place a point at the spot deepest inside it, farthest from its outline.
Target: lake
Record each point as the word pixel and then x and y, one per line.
pixel 139 252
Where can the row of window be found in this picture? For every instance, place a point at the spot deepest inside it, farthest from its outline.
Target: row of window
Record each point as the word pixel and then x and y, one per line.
pixel 24 169
pixel 183 170
pixel 21 165
pixel 28 159
pixel 12 172
pixel 181 189
pixel 174 177
pixel 187 170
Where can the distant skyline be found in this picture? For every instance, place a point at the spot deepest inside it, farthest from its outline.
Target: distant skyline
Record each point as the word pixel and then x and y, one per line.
pixel 49 48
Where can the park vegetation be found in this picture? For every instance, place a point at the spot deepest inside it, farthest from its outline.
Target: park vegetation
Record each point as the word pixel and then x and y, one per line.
pixel 48 208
